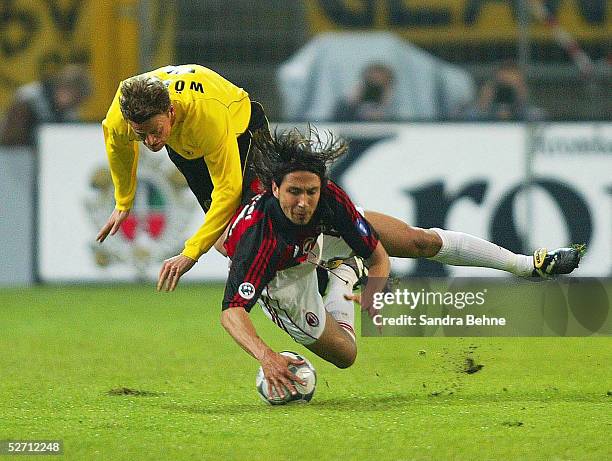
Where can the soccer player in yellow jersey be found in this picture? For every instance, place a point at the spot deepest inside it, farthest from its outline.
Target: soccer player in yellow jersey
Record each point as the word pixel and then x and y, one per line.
pixel 206 123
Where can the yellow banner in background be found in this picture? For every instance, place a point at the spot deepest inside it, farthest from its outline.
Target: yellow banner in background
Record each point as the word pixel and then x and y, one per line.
pixel 38 36
pixel 161 23
pixel 439 21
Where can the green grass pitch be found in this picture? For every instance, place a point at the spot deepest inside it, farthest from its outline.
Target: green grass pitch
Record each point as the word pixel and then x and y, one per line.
pixel 62 349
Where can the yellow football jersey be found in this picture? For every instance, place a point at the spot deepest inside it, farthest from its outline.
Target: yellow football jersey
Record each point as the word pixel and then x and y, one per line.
pixel 211 113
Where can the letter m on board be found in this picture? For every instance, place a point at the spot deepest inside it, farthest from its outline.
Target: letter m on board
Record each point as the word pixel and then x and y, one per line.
pixel 196 86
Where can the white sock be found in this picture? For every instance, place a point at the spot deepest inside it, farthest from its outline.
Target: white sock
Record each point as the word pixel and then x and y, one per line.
pixel 342 310
pixel 459 249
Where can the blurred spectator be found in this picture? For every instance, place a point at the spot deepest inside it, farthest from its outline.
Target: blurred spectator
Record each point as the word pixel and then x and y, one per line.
pixel 54 99
pixel 505 98
pixel 372 97
pixel 324 71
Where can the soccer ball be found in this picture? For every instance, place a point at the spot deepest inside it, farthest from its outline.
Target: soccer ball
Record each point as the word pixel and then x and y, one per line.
pixel 304 393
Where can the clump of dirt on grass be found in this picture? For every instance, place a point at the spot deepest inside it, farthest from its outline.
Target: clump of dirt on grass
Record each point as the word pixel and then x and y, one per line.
pixel 136 392
pixel 512 423
pixel 471 366
pixel 460 362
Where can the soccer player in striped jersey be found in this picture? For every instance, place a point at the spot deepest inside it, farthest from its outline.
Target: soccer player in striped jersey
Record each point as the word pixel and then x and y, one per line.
pixel 275 243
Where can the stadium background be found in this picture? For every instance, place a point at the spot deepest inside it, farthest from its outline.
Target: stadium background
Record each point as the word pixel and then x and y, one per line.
pixel 247 41
pixel 76 326
pixel 251 42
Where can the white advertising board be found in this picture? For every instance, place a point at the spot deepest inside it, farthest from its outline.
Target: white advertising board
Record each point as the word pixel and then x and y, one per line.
pixel 17 180
pixel 575 161
pixel 465 177
pixel 472 178
pixel 419 168
pixel 75 199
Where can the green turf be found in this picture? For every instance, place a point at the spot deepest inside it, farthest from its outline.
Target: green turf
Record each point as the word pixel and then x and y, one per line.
pixel 62 349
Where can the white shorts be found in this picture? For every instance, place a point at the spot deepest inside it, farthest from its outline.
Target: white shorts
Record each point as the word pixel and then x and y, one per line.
pixel 292 300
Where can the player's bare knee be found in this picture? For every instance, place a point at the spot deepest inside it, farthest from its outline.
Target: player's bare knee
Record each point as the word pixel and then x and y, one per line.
pixel 350 359
pixel 346 360
pixel 348 355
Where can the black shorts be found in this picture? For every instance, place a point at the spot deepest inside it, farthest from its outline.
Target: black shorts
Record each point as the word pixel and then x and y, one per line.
pixel 196 172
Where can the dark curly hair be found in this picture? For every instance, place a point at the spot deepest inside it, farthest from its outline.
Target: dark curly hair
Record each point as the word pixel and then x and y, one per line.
pixel 284 152
pixel 143 97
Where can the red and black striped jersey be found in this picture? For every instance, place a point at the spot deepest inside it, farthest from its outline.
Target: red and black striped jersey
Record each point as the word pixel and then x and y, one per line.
pixel 262 241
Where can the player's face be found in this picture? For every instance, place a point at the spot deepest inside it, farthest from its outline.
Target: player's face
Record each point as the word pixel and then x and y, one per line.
pixel 298 195
pixel 154 132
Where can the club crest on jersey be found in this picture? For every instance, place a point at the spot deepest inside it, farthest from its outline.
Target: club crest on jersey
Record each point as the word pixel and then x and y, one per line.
pixel 306 248
pixel 312 319
pixel 309 244
pixel 362 227
pixel 246 290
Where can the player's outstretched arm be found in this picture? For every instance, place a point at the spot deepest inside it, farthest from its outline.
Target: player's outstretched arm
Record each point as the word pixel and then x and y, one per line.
pixel 237 323
pixel 112 225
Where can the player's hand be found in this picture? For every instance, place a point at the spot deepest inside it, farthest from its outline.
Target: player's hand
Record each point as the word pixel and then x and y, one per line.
pixel 172 270
pixel 112 225
pixel 372 311
pixel 275 368
pixel 356 297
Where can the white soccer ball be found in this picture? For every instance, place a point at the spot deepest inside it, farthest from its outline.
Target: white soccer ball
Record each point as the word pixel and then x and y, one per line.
pixel 304 393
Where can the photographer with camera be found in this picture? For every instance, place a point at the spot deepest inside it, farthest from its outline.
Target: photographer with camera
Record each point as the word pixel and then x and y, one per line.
pixel 505 98
pixel 371 99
